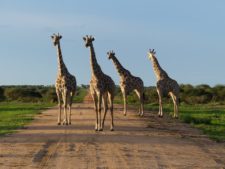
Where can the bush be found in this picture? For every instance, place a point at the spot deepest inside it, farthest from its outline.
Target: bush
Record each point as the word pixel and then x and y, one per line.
pixel 201 94
pixel 50 95
pixel 2 97
pixel 21 94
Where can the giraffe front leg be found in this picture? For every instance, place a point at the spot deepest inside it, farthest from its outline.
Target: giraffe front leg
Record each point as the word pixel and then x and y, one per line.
pixel 60 108
pixel 105 104
pixel 160 114
pixel 94 97
pixel 160 108
pixel 70 106
pixel 125 103
pixel 99 111
pixel 65 121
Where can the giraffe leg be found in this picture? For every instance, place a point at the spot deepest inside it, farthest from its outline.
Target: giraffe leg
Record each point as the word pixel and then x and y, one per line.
pixel 177 109
pixel 160 103
pixel 142 103
pixel 65 99
pixel 175 103
pixel 141 100
pixel 99 95
pixel 110 96
pixel 105 104
pixel 70 106
pixel 125 102
pixel 94 97
pixel 60 107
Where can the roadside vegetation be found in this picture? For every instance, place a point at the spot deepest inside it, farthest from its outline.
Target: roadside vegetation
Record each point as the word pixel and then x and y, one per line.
pixel 210 118
pixel 202 106
pixel 14 115
pixel 19 104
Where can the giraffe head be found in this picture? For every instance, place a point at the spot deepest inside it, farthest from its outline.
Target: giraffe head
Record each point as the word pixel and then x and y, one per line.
pixel 111 54
pixel 151 54
pixel 88 40
pixel 56 38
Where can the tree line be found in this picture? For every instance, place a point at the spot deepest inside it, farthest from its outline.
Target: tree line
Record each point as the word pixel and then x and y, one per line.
pixel 189 94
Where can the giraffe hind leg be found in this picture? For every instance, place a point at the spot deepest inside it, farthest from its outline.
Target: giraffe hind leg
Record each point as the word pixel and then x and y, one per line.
pixel 172 97
pixel 141 100
pixel 142 104
pixel 110 96
pixel 175 102
pixel 105 105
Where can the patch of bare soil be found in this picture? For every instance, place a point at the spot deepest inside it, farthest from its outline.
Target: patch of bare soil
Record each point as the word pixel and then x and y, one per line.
pixel 148 142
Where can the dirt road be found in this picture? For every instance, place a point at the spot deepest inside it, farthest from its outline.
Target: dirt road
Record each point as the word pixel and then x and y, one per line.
pixel 147 142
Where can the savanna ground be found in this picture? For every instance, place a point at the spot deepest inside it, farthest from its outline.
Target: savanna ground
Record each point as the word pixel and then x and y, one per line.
pixel 148 142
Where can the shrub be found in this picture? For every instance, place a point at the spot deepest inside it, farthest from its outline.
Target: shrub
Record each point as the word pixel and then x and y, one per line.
pixel 2 97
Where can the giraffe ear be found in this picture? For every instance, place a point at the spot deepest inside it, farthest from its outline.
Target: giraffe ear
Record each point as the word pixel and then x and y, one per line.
pixel 84 38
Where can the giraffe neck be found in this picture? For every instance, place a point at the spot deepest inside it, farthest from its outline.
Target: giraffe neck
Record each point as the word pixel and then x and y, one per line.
pixel 95 68
pixel 159 72
pixel 120 69
pixel 61 66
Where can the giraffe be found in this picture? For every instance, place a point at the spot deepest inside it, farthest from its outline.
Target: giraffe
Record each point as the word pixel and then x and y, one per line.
pixel 128 83
pixel 165 85
pixel 65 83
pixel 101 87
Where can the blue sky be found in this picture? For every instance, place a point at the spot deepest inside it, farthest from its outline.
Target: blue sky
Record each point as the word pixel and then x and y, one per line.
pixel 188 36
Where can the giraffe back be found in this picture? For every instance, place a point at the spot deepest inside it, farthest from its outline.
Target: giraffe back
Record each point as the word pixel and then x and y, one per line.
pixel 168 85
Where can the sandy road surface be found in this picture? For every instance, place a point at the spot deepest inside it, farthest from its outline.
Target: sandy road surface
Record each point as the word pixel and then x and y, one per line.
pixel 166 143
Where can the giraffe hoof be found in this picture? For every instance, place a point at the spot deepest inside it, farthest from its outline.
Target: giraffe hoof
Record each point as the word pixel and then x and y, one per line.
pixel 111 129
pixel 69 123
pixel 65 123
pixel 59 123
pixel 100 129
pixel 124 114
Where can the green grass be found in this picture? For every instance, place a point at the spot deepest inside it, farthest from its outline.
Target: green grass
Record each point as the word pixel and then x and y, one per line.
pixel 81 93
pixel 209 118
pixel 15 115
